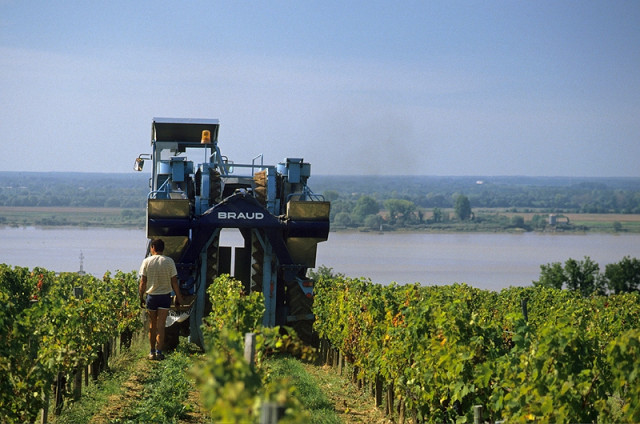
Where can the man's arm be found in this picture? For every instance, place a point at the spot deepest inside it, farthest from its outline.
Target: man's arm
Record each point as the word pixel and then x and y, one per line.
pixel 142 287
pixel 176 289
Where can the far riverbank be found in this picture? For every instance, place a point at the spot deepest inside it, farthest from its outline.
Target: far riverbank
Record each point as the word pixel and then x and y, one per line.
pixel 487 221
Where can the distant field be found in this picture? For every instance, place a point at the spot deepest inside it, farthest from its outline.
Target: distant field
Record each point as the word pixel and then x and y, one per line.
pixel 603 217
pixel 70 216
pixel 57 209
pixel 593 221
pixel 583 217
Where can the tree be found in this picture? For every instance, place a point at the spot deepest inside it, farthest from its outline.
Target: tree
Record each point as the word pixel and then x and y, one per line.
pixel 331 195
pixel 624 276
pixel 436 200
pixel 399 209
pixel 365 205
pixel 373 221
pixel 343 219
pixel 517 221
pixel 437 215
pixel 538 221
pixel 551 275
pixel 582 276
pixel 339 206
pixel 112 202
pixel 323 272
pixel 462 207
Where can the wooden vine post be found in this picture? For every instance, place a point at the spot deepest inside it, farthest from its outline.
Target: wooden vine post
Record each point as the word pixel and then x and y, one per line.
pixel 250 349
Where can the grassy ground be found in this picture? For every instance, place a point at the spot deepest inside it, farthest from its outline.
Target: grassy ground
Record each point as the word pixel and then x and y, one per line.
pixel 137 390
pixel 352 405
pixel 330 398
pixel 310 394
pixel 124 371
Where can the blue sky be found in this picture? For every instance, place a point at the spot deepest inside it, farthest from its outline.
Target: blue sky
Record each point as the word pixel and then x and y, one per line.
pixel 540 88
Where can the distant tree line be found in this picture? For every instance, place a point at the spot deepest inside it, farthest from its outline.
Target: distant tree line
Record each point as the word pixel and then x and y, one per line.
pixel 395 202
pixel 73 190
pixel 565 195
pixel 368 201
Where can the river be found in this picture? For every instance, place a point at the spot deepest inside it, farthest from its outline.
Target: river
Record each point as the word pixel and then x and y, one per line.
pixel 488 261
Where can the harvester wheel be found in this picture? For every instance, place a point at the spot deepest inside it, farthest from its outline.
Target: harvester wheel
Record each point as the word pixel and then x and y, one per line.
pixel 212 270
pixel 257 258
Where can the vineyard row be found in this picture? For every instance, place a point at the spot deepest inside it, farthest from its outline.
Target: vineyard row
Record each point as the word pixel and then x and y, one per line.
pixel 54 326
pixel 439 351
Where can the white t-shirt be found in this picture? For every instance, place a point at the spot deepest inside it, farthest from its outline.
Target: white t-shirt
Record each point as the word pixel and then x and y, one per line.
pixel 159 270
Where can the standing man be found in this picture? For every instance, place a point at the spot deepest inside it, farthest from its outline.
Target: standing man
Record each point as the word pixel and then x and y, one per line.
pixel 158 276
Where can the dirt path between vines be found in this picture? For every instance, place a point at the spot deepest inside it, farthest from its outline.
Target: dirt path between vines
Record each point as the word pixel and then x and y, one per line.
pixel 352 405
pixel 197 416
pixel 121 407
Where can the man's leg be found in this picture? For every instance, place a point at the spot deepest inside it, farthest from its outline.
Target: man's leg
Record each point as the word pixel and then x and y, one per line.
pixel 161 323
pixel 153 329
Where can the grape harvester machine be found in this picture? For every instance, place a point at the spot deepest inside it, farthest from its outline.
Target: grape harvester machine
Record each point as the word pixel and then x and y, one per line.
pixel 279 218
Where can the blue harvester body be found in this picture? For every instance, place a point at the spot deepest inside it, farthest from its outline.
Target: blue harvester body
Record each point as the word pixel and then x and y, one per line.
pixel 281 222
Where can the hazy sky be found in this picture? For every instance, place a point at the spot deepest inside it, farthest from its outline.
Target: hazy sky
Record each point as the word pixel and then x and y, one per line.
pixel 541 88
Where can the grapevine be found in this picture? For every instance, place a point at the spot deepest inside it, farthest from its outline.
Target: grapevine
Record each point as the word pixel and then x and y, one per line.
pixel 47 331
pixel 231 390
pixel 444 349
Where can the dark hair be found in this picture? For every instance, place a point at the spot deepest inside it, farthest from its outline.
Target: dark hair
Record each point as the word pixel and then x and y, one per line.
pixel 158 245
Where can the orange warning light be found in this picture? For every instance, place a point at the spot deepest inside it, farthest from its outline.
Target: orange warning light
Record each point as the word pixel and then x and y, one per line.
pixel 206 137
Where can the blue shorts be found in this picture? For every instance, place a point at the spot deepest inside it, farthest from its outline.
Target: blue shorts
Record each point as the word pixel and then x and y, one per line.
pixel 158 301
